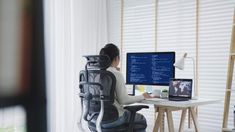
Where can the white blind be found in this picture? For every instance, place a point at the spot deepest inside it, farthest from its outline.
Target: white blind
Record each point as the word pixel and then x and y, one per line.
pixel 176 31
pixel 214 42
pixel 139 35
pixel 138 27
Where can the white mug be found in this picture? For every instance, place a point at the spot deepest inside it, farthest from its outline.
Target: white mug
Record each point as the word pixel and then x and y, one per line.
pixel 156 93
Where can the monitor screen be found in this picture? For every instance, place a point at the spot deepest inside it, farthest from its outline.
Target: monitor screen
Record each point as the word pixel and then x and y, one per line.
pixel 150 68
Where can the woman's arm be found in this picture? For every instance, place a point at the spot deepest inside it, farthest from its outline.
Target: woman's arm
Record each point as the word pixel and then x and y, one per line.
pixel 121 92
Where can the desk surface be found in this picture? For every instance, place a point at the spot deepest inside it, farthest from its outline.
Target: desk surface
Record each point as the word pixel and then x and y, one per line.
pixel 182 104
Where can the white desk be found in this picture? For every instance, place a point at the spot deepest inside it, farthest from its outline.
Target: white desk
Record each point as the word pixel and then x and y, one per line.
pixel 165 106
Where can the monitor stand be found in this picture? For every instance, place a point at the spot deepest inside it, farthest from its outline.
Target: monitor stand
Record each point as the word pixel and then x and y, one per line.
pixel 133 92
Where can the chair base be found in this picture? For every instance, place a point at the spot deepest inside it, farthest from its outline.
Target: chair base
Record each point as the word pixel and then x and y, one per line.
pixel 121 128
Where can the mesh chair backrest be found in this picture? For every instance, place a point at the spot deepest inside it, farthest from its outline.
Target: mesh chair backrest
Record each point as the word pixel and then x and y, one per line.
pixel 95 84
pixel 101 85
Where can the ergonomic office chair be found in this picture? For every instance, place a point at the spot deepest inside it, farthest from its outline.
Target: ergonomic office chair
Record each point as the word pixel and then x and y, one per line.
pixel 97 91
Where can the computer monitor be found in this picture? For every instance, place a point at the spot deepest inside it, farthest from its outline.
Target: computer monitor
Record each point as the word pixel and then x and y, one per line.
pixel 150 68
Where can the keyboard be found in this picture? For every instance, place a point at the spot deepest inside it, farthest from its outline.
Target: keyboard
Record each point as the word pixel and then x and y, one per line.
pixel 156 99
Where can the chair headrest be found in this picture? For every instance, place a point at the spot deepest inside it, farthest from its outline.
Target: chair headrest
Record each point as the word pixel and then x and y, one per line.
pixel 97 61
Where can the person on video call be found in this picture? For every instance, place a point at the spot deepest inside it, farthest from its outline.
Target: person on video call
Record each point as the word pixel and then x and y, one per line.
pixel 175 88
pixel 121 95
pixel 184 88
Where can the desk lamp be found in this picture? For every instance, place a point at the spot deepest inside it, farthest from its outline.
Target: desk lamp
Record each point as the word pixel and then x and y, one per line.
pixel 180 65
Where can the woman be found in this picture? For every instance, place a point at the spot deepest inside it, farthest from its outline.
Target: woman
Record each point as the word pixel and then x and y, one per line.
pixel 122 97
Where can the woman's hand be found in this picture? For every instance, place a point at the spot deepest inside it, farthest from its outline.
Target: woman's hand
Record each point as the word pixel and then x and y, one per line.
pixel 146 95
pixel 117 68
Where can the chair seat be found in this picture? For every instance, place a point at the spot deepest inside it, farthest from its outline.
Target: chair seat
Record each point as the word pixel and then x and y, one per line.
pixel 122 128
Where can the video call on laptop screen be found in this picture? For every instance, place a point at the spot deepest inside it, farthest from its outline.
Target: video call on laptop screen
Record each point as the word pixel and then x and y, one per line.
pixel 180 87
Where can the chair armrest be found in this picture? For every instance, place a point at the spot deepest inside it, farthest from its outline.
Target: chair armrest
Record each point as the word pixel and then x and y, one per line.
pixel 135 108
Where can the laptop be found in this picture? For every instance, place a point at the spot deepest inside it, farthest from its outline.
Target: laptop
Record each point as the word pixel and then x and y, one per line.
pixel 180 89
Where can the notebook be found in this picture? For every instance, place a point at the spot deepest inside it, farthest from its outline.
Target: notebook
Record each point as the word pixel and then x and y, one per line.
pixel 180 89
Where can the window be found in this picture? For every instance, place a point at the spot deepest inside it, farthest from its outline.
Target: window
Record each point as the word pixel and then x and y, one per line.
pixel 214 43
pixel 171 26
pixel 138 27
pixel 176 31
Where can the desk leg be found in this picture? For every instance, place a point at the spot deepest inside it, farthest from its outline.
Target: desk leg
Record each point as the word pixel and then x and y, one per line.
pixel 194 117
pixel 158 121
pixel 162 127
pixel 170 120
pixel 161 123
pixel 182 120
pixel 189 119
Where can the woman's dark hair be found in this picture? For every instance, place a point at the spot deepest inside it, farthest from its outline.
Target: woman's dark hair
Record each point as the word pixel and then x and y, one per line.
pixel 110 50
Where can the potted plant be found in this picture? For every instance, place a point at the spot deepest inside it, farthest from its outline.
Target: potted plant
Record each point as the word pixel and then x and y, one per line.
pixel 164 93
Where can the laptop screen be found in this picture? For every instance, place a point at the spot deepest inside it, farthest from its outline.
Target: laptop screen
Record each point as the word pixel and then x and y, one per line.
pixel 180 88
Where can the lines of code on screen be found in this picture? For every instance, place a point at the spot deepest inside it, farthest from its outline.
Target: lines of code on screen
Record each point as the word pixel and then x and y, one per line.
pixel 150 68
